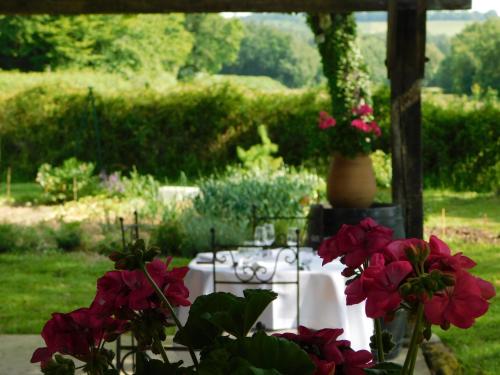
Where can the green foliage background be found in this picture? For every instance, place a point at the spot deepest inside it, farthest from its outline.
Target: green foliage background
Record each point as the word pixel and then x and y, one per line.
pixel 197 128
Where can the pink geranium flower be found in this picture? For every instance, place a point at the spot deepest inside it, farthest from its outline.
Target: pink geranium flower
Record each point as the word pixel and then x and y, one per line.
pixel 396 250
pixel 75 333
pixel 354 244
pixel 440 258
pixel 329 354
pixel 461 303
pixel 361 125
pixel 118 290
pixel 375 128
pixel 363 110
pixel 326 121
pixel 379 285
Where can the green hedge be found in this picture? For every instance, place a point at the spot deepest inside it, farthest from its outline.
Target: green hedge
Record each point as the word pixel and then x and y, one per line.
pixel 195 129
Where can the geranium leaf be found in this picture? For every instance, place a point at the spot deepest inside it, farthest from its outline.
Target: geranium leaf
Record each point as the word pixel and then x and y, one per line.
pixel 256 355
pixel 215 313
pixel 148 366
pixel 273 353
pixel 385 368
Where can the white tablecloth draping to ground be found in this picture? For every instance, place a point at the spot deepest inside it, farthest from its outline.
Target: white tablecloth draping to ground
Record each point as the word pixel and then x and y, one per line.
pixel 322 298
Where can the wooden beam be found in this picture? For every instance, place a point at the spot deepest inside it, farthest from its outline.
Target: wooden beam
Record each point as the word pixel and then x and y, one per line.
pixel 164 6
pixel 406 59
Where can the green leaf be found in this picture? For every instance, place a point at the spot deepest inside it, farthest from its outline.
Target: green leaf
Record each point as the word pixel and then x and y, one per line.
pixel 256 355
pixel 148 366
pixel 269 352
pixel 215 313
pixel 385 368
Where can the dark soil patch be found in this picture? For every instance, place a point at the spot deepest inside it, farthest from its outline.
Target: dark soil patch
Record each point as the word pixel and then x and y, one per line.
pixel 465 234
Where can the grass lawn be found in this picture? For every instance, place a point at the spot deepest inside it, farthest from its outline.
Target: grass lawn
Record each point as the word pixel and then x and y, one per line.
pixel 33 286
pixel 22 191
pixel 478 348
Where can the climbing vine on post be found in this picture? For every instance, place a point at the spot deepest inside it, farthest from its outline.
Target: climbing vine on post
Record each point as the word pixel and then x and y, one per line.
pixel 343 64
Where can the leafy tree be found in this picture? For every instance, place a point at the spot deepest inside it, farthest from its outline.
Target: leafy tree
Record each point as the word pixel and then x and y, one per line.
pixel 266 51
pixel 216 41
pixel 111 43
pixel 37 43
pixel 143 42
pixel 435 58
pixel 373 49
pixel 473 59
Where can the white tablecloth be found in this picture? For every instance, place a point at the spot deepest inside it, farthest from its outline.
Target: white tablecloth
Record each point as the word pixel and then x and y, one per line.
pixel 322 299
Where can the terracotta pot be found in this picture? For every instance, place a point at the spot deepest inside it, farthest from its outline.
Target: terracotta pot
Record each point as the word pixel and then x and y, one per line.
pixel 351 182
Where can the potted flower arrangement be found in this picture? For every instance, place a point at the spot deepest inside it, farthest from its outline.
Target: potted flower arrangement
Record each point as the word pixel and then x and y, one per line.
pixel 351 180
pixel 139 296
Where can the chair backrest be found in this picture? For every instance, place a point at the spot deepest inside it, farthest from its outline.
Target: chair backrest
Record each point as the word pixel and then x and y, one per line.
pixel 253 275
pixel 123 351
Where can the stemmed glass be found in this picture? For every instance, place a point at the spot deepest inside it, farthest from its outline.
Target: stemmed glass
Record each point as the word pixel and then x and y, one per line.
pixel 270 234
pixel 260 238
pixel 291 237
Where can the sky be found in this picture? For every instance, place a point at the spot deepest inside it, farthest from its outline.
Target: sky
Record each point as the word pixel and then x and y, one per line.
pixel 478 5
pixel 486 5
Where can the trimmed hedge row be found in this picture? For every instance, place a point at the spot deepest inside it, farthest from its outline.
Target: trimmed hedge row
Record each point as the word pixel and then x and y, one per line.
pixel 195 130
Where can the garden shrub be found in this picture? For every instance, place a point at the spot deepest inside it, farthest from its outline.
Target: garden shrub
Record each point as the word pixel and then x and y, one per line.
pixel 382 168
pixel 197 229
pixel 225 204
pixel 285 192
pixel 8 238
pixel 461 143
pixel 20 238
pixel 69 236
pixel 112 241
pixel 197 129
pixel 72 179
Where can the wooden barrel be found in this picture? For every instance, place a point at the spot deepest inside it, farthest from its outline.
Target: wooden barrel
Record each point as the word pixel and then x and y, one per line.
pixel 325 222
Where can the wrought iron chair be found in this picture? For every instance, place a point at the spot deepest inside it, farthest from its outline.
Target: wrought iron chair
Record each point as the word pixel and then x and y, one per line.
pixel 257 274
pixel 129 349
pixel 124 351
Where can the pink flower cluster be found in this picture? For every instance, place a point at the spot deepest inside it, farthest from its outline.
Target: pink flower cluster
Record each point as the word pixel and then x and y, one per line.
pixel 326 121
pixel 119 292
pixel 120 296
pixel 330 355
pixel 354 244
pixel 364 122
pixel 78 333
pixel 383 268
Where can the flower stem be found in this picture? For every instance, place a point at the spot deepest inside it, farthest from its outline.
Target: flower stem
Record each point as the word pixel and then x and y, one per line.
pixel 378 337
pixel 170 309
pixel 411 356
pixel 160 347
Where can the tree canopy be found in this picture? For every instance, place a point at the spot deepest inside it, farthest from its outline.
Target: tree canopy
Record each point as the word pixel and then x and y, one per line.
pixel 266 51
pixel 473 59
pixel 118 43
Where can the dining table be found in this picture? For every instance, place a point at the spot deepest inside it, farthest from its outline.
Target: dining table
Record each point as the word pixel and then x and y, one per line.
pixel 322 302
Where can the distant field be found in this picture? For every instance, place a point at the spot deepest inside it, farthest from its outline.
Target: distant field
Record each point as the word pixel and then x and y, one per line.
pixel 449 28
pixel 13 82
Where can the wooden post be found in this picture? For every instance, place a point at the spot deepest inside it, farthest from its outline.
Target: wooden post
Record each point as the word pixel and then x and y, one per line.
pixel 9 179
pixel 75 189
pixel 405 62
pixel 443 223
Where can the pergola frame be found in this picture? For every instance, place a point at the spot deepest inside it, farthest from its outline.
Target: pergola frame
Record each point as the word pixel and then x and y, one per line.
pixel 405 62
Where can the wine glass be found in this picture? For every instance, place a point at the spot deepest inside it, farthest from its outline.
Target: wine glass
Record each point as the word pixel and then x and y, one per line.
pixel 260 238
pixel 291 237
pixel 270 234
